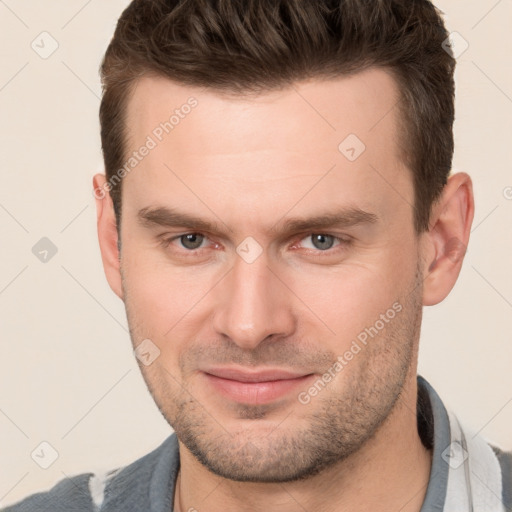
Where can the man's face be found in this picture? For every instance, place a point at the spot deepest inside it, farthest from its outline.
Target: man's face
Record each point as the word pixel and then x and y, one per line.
pixel 254 293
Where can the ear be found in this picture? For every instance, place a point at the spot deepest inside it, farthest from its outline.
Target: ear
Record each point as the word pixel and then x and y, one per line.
pixel 447 238
pixel 107 234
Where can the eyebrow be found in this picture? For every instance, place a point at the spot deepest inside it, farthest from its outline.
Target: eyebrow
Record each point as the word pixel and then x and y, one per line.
pixel 169 217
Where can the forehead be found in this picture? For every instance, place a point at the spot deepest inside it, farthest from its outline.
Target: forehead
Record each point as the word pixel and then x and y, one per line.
pixel 326 108
pixel 331 140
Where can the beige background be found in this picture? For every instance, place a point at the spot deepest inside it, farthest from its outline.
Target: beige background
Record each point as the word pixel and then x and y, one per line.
pixel 67 374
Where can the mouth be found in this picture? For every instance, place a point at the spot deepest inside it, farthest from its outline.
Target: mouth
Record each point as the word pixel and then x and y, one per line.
pixel 254 387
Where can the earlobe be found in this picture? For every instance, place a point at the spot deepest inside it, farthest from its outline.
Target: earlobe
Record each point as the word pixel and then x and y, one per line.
pixel 447 238
pixel 107 234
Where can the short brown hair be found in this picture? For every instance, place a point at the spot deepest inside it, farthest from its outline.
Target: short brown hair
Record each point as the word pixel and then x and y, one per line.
pixel 253 46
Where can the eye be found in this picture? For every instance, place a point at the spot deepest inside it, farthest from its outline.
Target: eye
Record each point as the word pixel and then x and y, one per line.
pixel 192 241
pixel 189 241
pixel 322 242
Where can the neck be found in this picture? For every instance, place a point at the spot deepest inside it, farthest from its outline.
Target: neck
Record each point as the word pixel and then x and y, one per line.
pixel 390 472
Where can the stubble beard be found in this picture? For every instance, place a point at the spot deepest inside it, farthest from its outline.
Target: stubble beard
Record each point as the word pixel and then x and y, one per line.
pixel 335 427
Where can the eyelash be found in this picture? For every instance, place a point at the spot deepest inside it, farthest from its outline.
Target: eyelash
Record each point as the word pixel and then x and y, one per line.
pixel 343 243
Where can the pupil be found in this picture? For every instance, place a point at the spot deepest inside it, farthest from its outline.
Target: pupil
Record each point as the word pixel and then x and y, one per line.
pixel 192 241
pixel 322 241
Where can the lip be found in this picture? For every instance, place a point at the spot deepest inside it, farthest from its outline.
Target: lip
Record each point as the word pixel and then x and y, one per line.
pixel 254 387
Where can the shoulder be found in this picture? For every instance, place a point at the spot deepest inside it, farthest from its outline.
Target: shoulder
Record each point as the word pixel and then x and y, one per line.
pixel 70 490
pixel 119 489
pixel 505 460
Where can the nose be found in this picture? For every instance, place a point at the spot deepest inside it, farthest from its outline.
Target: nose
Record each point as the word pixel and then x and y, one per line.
pixel 252 304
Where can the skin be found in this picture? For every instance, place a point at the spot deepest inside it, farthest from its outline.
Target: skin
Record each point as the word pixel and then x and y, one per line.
pixel 249 164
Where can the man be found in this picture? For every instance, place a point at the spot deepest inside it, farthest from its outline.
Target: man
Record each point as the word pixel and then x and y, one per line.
pixel 276 211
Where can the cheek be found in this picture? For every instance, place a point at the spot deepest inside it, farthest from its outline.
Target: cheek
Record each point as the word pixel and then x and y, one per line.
pixel 158 290
pixel 350 298
pixel 166 304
